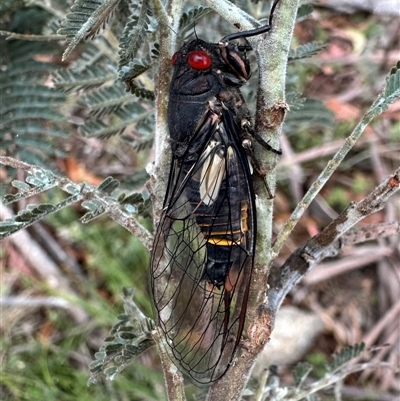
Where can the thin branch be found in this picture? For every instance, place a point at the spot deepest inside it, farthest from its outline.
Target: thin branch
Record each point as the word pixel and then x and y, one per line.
pixel 167 39
pixel 34 38
pixel 376 331
pixel 326 173
pixel 169 24
pixel 361 256
pixel 327 243
pixel 88 192
pixel 370 232
pixel 330 379
pixel 173 377
pixel 233 14
pixel 272 53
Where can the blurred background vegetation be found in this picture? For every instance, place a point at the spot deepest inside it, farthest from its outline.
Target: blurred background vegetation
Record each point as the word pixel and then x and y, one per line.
pixel 75 118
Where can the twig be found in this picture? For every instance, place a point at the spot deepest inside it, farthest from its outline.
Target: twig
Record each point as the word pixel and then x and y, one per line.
pixel 370 232
pixel 157 186
pixel 327 243
pixel 173 377
pixel 334 377
pixel 326 173
pixel 233 14
pixel 86 192
pixel 313 153
pixel 390 315
pixel 35 38
pixel 170 17
pixel 360 257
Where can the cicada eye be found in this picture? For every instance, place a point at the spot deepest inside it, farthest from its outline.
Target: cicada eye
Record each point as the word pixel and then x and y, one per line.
pixel 199 60
pixel 173 58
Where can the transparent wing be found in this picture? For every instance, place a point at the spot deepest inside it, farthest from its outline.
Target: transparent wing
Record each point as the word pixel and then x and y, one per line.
pixel 203 253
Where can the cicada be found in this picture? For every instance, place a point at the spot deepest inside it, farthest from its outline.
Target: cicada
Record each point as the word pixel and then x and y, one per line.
pixel 204 245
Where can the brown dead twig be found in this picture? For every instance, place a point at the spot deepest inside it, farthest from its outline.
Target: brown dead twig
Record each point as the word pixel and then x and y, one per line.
pixel 329 242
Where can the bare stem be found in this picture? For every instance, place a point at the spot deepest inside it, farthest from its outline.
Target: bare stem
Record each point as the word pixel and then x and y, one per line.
pixel 270 112
pixel 169 24
pixel 173 377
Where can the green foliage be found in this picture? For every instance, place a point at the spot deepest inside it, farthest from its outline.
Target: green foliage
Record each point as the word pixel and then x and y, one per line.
pixel 189 18
pixel 345 355
pixel 311 112
pixel 304 11
pixel 295 100
pixel 307 50
pixel 85 20
pixel 108 185
pixel 54 366
pixel 392 90
pixel 318 361
pixel 338 198
pixel 97 200
pixel 135 31
pixel 95 74
pixel 140 204
pixel 32 125
pixel 131 114
pixel 314 378
pixel 127 340
pixel 361 184
pixel 300 373
pixel 76 79
pixel 38 182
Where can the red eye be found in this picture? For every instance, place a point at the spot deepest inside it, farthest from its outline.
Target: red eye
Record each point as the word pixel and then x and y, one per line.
pixel 199 60
pixel 173 58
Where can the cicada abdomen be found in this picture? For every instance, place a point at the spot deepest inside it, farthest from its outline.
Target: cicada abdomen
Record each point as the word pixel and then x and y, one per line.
pixel 204 244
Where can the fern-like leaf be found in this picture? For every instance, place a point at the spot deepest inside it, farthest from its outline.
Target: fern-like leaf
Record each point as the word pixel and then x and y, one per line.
pixel 136 180
pixel 106 100
pixel 304 11
pixel 311 112
pixel 307 50
pixel 300 372
pixel 390 93
pixel 132 114
pixel 85 20
pixel 145 143
pixel 140 92
pixel 190 17
pixel 136 67
pixel 109 185
pixel 31 122
pixel 345 355
pixel 134 32
pixel 127 340
pixel 392 90
pixel 72 80
pixel 38 180
pixel 136 203
pixel 295 100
